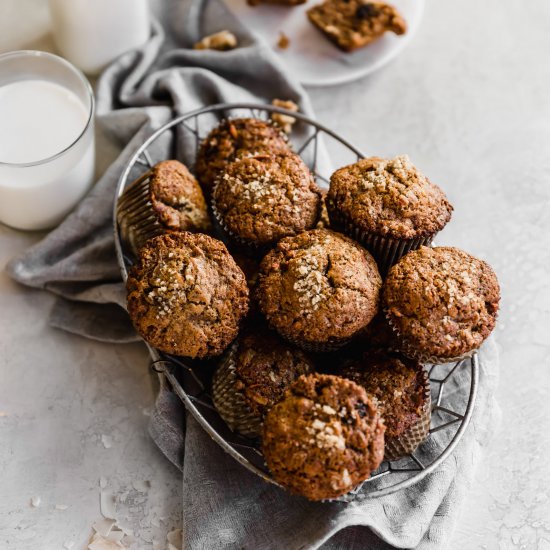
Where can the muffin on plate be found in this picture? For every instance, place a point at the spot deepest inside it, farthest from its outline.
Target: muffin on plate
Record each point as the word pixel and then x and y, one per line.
pixel 235 139
pixel 325 437
pixel 166 198
pixel 253 376
pixel 318 289
pixel 352 24
pixel 388 206
pixel 402 390
pixel 263 198
pixel 186 295
pixel 442 303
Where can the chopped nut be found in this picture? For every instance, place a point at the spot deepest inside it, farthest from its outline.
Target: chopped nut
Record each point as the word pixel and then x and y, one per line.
pixel 223 40
pixel 284 41
pixel 284 121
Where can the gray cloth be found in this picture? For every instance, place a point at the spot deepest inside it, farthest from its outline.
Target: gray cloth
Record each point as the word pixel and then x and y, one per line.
pixel 225 505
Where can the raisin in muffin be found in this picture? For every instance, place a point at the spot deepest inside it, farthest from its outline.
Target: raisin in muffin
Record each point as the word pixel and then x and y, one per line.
pixel 389 206
pixel 352 24
pixel 253 376
pixel 324 438
pixel 165 198
pixel 402 390
pixel 186 295
pixel 234 139
pixel 263 198
pixel 442 303
pixel 318 289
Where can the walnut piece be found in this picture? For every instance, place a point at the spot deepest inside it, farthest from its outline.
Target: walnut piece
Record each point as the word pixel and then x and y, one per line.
pixel 223 40
pixel 284 121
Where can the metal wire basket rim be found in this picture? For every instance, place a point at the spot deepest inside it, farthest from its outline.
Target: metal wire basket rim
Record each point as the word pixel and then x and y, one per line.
pixel 159 360
pixel 197 112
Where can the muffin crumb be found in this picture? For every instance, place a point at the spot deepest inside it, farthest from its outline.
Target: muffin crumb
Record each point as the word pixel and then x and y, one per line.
pixel 222 41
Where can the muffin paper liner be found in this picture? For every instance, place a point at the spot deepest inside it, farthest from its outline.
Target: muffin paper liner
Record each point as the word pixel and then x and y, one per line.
pixel 387 251
pixel 409 350
pixel 135 215
pixel 407 442
pixel 229 402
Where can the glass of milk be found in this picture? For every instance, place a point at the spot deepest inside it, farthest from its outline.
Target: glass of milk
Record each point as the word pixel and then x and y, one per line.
pixel 47 153
pixel 92 33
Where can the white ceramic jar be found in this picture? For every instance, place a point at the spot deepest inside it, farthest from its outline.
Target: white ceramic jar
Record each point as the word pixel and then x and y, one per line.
pixel 92 33
pixel 47 154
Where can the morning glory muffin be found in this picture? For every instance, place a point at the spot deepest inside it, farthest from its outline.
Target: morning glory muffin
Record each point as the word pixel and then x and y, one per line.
pixel 186 295
pixel 166 198
pixel 324 438
pixel 253 376
pixel 442 303
pixel 234 139
pixel 352 24
pixel 402 390
pixel 318 289
pixel 263 198
pixel 388 206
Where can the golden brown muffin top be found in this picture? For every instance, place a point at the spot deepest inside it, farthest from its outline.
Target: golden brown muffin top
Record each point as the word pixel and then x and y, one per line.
pixel 186 294
pixel 263 198
pixel 234 139
pixel 323 438
pixel 399 384
pixel 177 198
pixel 318 286
pixel 388 197
pixel 442 301
pixel 265 366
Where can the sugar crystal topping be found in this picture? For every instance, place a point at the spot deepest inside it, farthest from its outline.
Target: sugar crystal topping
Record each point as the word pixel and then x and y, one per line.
pixel 310 285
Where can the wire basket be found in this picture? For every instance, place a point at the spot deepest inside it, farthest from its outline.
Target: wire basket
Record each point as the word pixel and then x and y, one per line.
pixel 453 385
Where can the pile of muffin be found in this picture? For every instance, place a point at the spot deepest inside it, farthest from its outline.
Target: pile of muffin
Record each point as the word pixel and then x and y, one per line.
pixel 322 309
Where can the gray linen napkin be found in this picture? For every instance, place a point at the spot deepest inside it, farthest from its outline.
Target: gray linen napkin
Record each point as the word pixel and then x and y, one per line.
pixel 225 505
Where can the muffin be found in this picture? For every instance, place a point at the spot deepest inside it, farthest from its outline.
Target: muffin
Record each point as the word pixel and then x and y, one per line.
pixel 388 206
pixel 166 198
pixel 263 198
pixel 318 289
pixel 234 139
pixel 253 376
pixel 441 302
pixel 402 390
pixel 186 295
pixel 325 437
pixel 352 24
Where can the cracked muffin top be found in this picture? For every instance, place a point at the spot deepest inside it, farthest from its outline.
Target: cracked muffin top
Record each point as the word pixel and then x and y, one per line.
pixel 186 294
pixel 399 385
pixel 388 197
pixel 441 301
pixel 177 198
pixel 318 287
pixel 265 366
pixel 323 438
pixel 263 198
pixel 234 139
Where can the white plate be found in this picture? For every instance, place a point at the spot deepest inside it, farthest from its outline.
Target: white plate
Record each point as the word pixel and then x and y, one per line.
pixel 310 57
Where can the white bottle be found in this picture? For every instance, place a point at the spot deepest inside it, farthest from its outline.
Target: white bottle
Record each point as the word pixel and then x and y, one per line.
pixel 92 33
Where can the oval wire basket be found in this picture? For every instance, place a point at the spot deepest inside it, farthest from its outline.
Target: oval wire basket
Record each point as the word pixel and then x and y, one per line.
pixel 454 385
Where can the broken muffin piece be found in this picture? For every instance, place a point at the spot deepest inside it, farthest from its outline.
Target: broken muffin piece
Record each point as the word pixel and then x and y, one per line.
pixel 352 24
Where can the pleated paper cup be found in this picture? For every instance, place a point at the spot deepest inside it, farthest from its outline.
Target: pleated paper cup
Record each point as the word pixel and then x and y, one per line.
pixel 408 441
pixel 230 402
pixel 135 214
pixel 387 251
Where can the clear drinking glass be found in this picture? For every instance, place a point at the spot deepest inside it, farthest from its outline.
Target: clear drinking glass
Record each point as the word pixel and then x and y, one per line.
pixel 38 194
